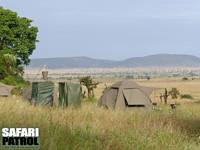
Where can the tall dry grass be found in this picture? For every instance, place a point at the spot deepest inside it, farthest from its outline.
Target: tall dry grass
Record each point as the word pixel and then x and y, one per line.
pixel 90 127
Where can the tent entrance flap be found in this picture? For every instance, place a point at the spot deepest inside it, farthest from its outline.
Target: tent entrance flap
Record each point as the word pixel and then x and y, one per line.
pixel 69 94
pixel 134 98
pixel 73 94
pixel 62 99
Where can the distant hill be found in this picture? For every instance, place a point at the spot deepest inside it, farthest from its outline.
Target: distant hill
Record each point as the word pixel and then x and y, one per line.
pixel 159 60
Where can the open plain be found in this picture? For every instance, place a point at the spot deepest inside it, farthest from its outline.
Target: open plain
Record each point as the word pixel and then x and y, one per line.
pixel 91 127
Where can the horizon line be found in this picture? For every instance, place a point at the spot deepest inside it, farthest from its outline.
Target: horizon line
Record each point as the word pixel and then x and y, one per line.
pixel 116 59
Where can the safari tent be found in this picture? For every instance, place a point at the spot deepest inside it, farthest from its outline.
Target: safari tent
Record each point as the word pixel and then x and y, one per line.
pixel 126 95
pixel 45 93
pixel 5 90
pixel 42 93
pixel 69 94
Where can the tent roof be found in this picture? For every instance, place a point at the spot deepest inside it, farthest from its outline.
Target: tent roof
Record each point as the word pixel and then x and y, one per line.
pixel 125 84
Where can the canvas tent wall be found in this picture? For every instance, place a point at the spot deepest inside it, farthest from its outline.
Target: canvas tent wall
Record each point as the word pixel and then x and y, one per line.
pixel 69 94
pixel 42 93
pixel 126 94
pixel 5 90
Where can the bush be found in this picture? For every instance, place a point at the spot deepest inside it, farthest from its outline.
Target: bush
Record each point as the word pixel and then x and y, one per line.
pixel 16 81
pixel 17 91
pixel 185 79
pixel 148 78
pixel 13 80
pixel 186 96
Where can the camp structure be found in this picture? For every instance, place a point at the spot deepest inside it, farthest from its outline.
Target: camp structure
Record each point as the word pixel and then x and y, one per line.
pixel 42 93
pixel 45 93
pixel 69 94
pixel 126 95
pixel 5 90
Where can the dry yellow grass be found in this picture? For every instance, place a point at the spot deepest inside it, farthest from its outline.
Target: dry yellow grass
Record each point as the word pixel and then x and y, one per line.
pixel 91 127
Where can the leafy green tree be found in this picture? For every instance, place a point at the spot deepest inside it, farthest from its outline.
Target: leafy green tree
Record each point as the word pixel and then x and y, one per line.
pixel 17 42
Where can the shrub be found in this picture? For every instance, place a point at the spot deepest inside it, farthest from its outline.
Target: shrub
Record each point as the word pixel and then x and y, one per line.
pixel 13 80
pixel 186 96
pixel 17 91
pixel 185 78
pixel 16 81
pixel 148 77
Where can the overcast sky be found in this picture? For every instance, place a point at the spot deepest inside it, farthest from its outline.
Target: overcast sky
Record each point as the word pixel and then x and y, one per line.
pixel 112 29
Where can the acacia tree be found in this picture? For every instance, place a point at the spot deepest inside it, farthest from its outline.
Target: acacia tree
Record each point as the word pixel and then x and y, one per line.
pixel 174 93
pixel 17 42
pixel 89 84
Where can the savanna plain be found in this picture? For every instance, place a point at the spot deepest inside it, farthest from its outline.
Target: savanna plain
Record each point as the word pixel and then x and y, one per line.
pixel 90 127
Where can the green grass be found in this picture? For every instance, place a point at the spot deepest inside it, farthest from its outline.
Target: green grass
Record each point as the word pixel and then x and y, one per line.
pixel 90 127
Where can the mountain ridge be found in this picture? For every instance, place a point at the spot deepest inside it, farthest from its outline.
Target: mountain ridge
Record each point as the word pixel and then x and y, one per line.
pixel 156 60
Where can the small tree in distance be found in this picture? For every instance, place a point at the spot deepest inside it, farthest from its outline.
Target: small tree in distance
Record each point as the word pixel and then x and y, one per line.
pixel 174 93
pixel 89 84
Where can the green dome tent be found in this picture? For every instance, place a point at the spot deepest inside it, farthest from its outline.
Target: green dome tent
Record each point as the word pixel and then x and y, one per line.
pixel 126 95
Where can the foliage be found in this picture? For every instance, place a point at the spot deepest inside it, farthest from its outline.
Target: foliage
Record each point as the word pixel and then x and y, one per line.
pixel 17 91
pixel 185 79
pixel 18 82
pixel 89 84
pixel 11 80
pixel 174 93
pixel 186 96
pixel 17 42
pixel 148 77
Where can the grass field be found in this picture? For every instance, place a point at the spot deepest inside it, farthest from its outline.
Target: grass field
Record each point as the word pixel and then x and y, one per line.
pixel 91 127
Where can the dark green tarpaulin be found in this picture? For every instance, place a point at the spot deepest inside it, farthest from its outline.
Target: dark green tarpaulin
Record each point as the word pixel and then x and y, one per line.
pixel 42 93
pixel 69 94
